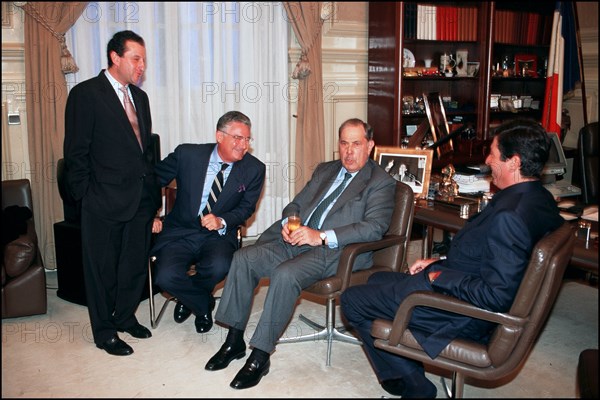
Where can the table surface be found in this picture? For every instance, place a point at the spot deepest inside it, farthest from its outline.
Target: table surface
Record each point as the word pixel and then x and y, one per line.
pixel 585 253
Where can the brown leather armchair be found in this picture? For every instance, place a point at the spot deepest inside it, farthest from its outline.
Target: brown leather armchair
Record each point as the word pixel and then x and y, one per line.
pixel 23 275
pixel 517 329
pixel 389 254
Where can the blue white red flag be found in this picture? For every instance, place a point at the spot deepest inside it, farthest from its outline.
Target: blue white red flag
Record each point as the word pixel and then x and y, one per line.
pixel 563 65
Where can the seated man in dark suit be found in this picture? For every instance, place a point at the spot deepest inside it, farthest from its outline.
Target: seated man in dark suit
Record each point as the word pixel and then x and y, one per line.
pixel 484 266
pixel 218 186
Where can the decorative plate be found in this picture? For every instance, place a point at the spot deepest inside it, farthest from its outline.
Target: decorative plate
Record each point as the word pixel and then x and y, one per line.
pixel 408 60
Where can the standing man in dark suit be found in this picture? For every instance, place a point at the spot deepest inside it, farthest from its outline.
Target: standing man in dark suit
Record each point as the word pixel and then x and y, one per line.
pixel 197 231
pixel 484 266
pixel 346 201
pixel 110 169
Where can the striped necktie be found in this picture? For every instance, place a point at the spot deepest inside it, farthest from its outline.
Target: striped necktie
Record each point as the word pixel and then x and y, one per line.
pixel 315 219
pixel 215 190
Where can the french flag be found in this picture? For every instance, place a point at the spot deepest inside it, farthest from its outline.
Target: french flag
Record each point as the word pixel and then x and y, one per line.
pixel 563 65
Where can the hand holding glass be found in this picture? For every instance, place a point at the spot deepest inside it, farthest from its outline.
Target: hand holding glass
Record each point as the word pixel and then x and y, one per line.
pixel 293 221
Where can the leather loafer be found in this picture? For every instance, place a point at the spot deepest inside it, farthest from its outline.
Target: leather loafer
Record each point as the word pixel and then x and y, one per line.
pixel 226 354
pixel 138 331
pixel 181 312
pixel 203 323
pixel 250 374
pixel 116 347
pixel 394 386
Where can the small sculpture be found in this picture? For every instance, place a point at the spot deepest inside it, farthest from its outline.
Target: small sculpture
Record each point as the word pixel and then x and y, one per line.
pixel 448 188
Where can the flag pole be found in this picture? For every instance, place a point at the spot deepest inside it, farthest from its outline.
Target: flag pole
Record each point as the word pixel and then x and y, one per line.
pixel 581 69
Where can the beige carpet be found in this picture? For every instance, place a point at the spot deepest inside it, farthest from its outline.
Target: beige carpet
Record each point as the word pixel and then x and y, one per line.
pixel 53 355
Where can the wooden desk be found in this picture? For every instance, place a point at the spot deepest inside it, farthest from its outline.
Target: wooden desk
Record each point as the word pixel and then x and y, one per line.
pixel 431 217
pixel 585 254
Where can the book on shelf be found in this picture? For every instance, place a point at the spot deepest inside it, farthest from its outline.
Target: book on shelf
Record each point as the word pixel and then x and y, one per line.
pixel 410 20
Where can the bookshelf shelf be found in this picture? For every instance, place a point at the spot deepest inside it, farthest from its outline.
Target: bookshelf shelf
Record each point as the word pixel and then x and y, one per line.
pixel 487 32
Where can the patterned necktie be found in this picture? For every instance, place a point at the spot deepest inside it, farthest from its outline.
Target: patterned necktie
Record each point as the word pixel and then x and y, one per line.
pixel 315 219
pixel 131 114
pixel 215 190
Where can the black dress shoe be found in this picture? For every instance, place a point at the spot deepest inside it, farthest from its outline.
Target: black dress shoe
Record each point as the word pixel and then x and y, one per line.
pixel 138 331
pixel 116 347
pixel 203 323
pixel 394 386
pixel 250 374
pixel 181 312
pixel 226 354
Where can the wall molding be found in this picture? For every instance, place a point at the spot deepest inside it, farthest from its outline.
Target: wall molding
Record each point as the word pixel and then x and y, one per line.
pixel 13 52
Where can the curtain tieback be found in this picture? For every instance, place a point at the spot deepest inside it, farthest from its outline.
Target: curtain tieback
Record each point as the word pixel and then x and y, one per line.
pixel 67 62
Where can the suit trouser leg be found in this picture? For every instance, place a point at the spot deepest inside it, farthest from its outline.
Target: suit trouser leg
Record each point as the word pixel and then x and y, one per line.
pixel 380 298
pixel 115 258
pixel 290 269
pixel 212 257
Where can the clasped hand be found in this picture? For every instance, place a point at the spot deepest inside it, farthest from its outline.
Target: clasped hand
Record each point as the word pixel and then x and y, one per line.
pixel 211 222
pixel 300 236
pixel 420 265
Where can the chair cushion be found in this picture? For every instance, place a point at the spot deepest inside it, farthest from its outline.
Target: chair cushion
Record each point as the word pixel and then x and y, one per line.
pixel 464 351
pixel 326 287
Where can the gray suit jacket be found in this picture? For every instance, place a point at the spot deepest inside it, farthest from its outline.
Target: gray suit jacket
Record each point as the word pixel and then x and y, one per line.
pixel 362 213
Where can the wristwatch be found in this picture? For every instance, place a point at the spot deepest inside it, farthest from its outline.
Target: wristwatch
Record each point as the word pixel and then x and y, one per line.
pixel 323 236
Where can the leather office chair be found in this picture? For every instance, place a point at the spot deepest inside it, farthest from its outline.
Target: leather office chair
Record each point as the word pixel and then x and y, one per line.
pixel 517 329
pixel 389 254
pixel 170 194
pixel 23 275
pixel 587 163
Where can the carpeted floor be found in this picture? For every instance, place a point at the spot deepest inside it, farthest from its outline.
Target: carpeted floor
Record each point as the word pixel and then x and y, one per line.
pixel 52 355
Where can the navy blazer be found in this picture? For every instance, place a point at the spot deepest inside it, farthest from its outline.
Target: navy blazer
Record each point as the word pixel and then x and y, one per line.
pixel 106 169
pixel 188 164
pixel 486 263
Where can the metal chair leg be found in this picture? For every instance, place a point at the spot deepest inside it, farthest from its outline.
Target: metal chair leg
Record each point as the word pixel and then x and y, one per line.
pixel 328 332
pixel 457 386
pixel 154 320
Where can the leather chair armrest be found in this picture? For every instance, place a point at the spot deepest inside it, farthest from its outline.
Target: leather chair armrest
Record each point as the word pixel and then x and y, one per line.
pixel 19 255
pixel 353 250
pixel 447 303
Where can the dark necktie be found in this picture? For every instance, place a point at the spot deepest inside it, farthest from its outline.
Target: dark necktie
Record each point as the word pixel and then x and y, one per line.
pixel 215 190
pixel 131 114
pixel 316 217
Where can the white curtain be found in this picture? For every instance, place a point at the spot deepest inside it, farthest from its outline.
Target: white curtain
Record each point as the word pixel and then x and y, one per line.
pixel 205 59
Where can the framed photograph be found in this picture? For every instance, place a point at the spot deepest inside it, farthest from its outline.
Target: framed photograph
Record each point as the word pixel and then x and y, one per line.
pixel 438 124
pixel 526 65
pixel 462 57
pixel 411 166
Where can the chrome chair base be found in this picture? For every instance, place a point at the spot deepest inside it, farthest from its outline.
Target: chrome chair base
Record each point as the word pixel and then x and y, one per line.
pixel 328 332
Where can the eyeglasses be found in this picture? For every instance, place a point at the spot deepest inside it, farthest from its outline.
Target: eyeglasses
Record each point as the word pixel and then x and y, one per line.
pixel 238 138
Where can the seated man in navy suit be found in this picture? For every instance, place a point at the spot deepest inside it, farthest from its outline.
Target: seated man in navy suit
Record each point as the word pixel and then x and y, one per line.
pixel 218 186
pixel 484 266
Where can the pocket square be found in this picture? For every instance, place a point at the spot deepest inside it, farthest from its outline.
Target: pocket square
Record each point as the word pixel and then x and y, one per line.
pixel 242 188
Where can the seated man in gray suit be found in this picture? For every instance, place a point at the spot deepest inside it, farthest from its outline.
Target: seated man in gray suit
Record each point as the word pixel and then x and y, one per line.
pixel 346 201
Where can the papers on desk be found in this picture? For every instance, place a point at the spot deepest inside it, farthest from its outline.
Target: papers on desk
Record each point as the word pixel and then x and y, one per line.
pixel 472 183
pixel 590 213
pixel 568 216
